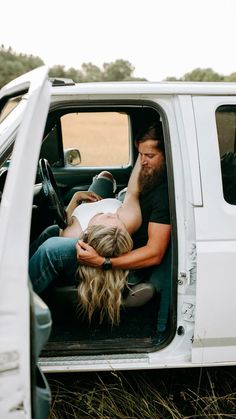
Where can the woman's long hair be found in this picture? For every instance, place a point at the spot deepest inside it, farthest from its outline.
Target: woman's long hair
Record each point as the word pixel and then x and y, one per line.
pixel 98 289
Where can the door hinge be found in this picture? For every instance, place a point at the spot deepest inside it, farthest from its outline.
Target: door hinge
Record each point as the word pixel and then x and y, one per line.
pixel 188 312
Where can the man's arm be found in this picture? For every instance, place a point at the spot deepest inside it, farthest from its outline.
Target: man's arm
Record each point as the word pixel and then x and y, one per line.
pixel 150 254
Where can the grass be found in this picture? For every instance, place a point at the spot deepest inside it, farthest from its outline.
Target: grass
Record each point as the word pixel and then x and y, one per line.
pixel 160 394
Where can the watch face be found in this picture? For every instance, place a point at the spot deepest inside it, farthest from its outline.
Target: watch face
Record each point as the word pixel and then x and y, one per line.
pixel 107 264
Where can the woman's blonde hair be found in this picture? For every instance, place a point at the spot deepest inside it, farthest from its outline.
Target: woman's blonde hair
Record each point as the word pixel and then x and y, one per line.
pixel 98 289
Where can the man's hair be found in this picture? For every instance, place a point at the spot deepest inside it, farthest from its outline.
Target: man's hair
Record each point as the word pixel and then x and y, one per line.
pixel 151 132
pixel 98 289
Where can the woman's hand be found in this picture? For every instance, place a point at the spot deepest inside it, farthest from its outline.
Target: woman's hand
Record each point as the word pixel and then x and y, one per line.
pixel 85 196
pixel 87 255
pixel 77 198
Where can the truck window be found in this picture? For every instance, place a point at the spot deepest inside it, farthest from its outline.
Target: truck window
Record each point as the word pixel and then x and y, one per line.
pixel 226 130
pixel 101 137
pixel 9 106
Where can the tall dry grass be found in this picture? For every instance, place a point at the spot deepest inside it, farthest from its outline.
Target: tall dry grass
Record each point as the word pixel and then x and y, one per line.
pixel 159 394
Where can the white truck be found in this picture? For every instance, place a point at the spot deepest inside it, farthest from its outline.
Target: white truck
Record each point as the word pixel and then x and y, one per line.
pixel 81 129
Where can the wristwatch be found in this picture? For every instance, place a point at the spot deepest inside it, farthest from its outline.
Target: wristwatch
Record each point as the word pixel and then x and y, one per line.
pixel 107 264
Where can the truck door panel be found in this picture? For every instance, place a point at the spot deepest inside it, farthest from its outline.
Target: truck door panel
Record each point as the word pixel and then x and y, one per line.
pixel 215 329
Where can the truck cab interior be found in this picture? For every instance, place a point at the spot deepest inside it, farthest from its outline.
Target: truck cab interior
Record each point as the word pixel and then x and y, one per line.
pixel 78 143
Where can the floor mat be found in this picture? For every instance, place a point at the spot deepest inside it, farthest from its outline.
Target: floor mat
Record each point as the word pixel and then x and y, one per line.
pixel 136 323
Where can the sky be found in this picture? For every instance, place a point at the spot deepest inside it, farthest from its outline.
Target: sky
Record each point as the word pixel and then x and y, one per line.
pixel 160 38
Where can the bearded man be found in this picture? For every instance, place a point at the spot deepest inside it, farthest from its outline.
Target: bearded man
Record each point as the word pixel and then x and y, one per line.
pixel 152 239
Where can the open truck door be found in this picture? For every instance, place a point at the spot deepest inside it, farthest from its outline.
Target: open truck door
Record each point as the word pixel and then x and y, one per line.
pixel 25 320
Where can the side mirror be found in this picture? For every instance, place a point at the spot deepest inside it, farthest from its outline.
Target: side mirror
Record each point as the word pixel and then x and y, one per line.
pixel 72 156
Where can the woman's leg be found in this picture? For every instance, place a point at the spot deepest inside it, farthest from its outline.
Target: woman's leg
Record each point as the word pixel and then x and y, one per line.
pixel 104 185
pixel 51 231
pixel 54 260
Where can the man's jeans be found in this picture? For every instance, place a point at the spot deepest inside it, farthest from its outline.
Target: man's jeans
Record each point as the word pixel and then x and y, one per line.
pixel 54 259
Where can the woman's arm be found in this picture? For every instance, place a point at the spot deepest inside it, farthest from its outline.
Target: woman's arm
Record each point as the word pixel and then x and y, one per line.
pixel 76 199
pixel 73 228
pixel 130 212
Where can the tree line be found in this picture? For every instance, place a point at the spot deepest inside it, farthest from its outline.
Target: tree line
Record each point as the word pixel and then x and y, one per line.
pixel 14 64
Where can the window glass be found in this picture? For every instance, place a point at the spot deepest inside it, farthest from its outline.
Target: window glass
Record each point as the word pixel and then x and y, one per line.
pixel 226 129
pixel 8 123
pixel 9 106
pixel 101 137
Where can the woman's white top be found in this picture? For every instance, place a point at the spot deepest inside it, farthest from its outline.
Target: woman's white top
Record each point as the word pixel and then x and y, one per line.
pixel 84 212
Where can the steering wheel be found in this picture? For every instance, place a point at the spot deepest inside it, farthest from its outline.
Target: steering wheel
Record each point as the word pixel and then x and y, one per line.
pixel 52 193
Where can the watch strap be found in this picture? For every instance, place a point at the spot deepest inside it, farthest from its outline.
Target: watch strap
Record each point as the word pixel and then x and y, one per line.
pixel 107 264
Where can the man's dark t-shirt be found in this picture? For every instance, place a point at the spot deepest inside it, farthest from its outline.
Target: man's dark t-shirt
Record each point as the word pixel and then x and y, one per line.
pixel 155 209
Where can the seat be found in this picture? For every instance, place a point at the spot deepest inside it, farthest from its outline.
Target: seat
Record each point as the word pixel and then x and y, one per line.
pixel 161 280
pixel 66 297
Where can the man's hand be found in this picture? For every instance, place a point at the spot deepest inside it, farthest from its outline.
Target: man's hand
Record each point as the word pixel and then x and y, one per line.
pixel 87 255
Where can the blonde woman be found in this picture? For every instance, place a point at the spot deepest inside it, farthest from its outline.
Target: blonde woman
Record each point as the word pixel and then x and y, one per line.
pixel 106 225
pixel 101 290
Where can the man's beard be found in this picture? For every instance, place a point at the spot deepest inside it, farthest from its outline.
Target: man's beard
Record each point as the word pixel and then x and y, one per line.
pixel 154 177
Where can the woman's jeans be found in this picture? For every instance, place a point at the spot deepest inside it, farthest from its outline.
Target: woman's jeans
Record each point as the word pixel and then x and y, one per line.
pixel 53 261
